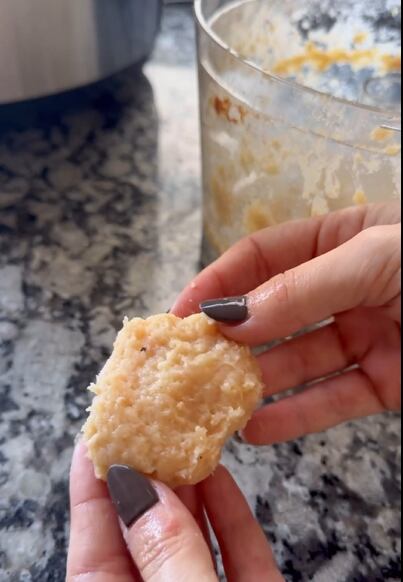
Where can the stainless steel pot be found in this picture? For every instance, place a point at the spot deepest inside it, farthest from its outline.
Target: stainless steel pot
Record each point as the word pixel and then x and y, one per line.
pixel 48 46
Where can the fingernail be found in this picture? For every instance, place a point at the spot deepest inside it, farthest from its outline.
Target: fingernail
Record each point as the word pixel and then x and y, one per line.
pixel 230 309
pixel 132 494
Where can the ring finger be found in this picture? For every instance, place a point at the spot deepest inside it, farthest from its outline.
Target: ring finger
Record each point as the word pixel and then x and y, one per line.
pixel 304 359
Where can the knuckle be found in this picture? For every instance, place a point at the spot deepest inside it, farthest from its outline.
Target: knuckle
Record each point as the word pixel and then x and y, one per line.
pixel 216 273
pixel 261 268
pixel 381 265
pixel 282 288
pixel 160 545
pixel 379 237
pixel 284 297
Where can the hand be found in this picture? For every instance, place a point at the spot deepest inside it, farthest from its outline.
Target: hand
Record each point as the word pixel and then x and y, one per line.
pixel 345 265
pixel 162 542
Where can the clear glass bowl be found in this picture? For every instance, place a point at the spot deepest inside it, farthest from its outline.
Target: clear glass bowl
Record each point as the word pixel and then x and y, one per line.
pixel 300 110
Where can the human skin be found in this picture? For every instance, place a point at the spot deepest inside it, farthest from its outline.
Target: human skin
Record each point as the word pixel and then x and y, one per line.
pixel 345 266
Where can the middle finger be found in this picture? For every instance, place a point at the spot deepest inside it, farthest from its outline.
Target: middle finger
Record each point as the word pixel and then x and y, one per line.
pixel 190 498
pixel 305 358
pixel 245 551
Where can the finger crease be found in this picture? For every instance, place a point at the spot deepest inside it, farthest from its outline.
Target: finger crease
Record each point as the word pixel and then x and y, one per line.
pixel 316 243
pixel 371 386
pixel 349 356
pixel 263 271
pixel 219 280
pixel 108 567
pixel 90 501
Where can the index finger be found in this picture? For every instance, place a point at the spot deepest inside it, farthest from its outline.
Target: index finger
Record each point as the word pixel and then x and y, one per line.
pixel 97 550
pixel 262 255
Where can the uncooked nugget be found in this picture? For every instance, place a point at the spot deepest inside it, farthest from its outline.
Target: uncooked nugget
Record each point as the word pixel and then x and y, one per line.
pixel 172 392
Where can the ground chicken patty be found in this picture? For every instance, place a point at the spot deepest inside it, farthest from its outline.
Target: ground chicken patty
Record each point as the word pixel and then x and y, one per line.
pixel 172 392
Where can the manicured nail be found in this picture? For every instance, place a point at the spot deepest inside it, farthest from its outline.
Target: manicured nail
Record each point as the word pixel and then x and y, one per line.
pixel 230 309
pixel 132 494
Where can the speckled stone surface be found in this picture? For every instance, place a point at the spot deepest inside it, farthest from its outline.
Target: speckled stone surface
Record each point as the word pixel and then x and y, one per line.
pixel 100 218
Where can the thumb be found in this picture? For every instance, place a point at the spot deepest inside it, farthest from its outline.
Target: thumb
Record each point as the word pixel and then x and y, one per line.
pixel 363 272
pixel 161 534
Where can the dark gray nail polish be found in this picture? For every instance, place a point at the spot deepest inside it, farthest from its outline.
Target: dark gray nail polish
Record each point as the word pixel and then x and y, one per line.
pixel 131 493
pixel 228 310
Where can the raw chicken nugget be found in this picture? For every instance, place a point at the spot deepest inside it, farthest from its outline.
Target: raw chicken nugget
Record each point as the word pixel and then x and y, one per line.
pixel 173 391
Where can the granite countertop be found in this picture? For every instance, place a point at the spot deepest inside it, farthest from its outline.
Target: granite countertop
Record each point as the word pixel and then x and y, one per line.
pixel 100 218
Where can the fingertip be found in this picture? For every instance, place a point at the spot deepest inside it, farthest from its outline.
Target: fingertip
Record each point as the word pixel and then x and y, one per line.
pixel 81 463
pixel 249 436
pixel 256 431
pixel 187 303
pixel 166 542
pixel 80 449
pixel 165 494
pixel 206 285
pixel 83 481
pixel 228 310
pixel 238 318
pixel 219 482
pixel 79 453
pixel 221 473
